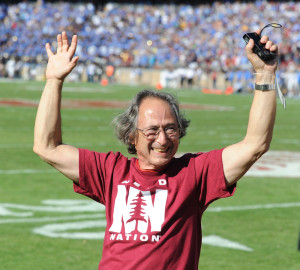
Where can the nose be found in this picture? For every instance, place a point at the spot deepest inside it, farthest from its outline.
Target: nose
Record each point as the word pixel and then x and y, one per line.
pixel 162 137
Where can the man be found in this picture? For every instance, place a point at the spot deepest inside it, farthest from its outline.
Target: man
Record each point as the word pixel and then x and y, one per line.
pixel 154 203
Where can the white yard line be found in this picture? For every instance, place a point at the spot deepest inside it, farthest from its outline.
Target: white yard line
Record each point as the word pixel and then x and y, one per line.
pixel 47 219
pixel 97 220
pixel 27 171
pixel 253 207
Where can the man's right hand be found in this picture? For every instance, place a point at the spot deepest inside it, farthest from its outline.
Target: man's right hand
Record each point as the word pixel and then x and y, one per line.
pixel 63 62
pixel 48 143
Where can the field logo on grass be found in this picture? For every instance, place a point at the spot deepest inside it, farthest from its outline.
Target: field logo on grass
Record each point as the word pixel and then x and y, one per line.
pixel 139 217
pixel 283 164
pixel 73 216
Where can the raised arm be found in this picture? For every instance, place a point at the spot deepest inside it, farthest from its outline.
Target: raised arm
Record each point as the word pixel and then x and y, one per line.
pixel 238 158
pixel 47 132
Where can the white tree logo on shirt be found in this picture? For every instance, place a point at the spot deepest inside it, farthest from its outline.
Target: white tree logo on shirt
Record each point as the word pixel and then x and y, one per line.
pixel 138 212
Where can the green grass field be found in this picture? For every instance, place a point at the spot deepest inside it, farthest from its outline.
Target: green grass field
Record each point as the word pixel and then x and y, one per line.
pixel 34 197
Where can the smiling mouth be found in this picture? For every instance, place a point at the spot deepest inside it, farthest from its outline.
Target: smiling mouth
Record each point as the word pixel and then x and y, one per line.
pixel 161 150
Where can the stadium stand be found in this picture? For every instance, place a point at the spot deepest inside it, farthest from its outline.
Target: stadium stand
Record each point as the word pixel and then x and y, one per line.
pixel 188 42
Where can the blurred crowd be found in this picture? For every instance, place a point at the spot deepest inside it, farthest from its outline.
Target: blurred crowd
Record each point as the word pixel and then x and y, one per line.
pixel 204 39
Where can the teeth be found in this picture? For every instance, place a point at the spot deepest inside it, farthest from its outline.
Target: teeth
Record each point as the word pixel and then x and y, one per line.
pixel 160 150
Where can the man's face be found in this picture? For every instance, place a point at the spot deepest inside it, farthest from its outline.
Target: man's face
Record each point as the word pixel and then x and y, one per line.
pixel 156 153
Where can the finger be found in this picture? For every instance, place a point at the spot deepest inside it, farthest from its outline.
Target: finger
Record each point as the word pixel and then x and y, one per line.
pixel 250 46
pixel 59 43
pixel 74 60
pixel 258 31
pixel 274 48
pixel 65 42
pixel 48 50
pixel 264 39
pixel 73 46
pixel 269 44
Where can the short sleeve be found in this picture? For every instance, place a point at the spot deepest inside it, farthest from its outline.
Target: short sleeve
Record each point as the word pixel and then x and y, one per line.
pixel 94 171
pixel 210 178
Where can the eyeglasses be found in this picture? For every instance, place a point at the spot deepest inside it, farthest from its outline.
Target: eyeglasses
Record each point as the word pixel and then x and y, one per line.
pixel 153 132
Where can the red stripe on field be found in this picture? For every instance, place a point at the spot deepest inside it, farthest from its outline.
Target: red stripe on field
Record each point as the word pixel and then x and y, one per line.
pixel 102 104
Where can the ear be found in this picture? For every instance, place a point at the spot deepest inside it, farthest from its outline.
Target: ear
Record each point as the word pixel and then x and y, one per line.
pixel 132 138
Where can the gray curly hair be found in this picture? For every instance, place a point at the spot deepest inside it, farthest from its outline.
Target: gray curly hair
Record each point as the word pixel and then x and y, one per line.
pixel 126 123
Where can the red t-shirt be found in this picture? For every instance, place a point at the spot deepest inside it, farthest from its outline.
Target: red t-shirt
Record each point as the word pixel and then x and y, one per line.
pixel 153 218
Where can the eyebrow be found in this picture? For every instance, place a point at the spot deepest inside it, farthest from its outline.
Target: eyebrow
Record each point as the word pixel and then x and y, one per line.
pixel 165 126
